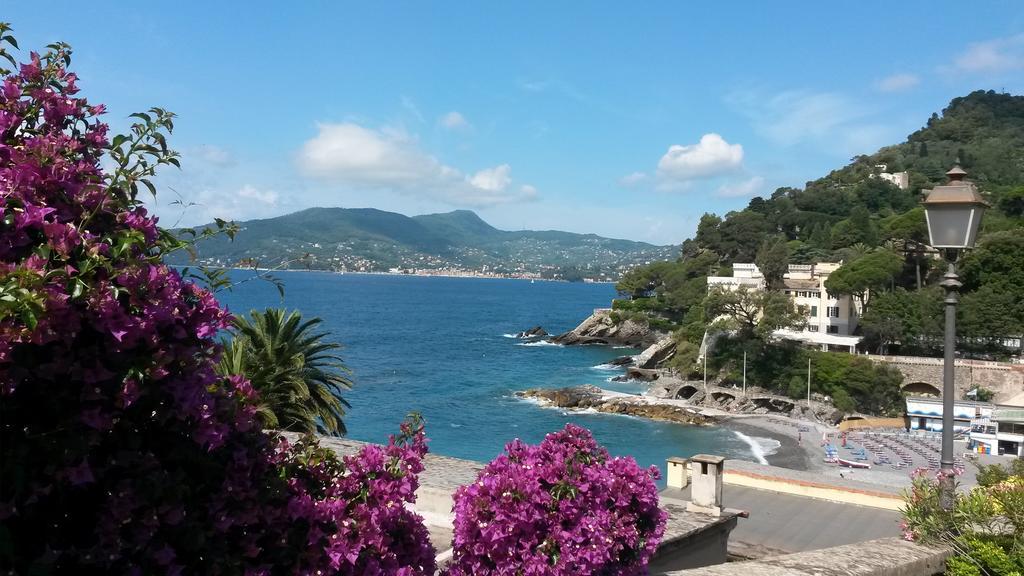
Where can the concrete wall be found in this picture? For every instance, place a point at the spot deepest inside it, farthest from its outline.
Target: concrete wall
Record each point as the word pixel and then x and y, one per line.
pixel 884 557
pixel 866 423
pixel 705 548
pixel 810 489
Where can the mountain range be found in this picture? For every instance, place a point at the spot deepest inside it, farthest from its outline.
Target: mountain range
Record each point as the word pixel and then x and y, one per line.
pixel 370 240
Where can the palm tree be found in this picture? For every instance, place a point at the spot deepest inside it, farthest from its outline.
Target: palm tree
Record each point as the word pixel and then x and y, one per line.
pixel 297 374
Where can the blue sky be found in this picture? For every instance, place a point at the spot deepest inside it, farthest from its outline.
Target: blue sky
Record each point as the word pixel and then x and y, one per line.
pixel 624 119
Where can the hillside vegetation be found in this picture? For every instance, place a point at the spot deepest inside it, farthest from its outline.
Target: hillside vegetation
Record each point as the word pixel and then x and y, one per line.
pixel 374 240
pixel 878 232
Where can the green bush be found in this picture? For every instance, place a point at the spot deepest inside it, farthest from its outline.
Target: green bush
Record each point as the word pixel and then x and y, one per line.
pixel 842 401
pixel 855 383
pixel 985 526
pixel 684 361
pixel 985 555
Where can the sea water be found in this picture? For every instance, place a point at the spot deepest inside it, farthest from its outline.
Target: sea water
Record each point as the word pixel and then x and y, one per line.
pixel 444 347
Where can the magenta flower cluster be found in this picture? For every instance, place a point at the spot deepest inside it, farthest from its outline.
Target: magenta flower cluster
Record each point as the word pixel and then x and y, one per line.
pixel 563 507
pixel 123 452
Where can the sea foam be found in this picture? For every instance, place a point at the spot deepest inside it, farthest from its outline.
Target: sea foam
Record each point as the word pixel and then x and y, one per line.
pixel 538 343
pixel 759 447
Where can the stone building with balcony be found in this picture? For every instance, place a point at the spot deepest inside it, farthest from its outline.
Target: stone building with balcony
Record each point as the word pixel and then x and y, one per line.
pixel 831 320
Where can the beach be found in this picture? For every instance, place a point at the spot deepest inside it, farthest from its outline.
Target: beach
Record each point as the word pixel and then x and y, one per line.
pixel 791 453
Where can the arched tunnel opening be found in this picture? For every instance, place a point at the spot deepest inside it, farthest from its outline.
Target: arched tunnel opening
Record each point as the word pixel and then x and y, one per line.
pixel 922 389
pixel 722 397
pixel 686 392
pixel 774 404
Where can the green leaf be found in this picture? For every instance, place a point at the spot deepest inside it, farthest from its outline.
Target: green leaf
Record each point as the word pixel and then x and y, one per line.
pixel 29 318
pixel 78 287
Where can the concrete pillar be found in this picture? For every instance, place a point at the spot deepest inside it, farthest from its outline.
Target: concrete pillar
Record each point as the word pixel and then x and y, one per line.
pixel 675 476
pixel 706 494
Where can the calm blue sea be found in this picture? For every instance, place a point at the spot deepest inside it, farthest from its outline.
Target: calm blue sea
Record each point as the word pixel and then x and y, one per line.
pixel 440 346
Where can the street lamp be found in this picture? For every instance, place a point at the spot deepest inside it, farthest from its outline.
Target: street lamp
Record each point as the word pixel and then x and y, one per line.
pixel 953 213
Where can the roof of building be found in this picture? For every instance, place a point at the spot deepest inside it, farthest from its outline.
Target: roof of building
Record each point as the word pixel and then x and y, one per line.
pixel 1009 415
pixel 958 402
pixel 800 284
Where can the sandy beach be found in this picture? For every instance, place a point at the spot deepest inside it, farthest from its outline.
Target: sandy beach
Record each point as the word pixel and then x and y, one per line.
pixel 802 447
pixel 804 451
pixel 790 454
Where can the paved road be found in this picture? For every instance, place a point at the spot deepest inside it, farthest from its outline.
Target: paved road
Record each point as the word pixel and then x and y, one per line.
pixel 782 523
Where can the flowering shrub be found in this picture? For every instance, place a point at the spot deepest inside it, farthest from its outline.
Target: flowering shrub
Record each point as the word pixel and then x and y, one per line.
pixel 985 526
pixel 122 450
pixel 561 507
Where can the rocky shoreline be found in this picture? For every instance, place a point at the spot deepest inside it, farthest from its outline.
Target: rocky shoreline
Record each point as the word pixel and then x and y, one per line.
pixel 649 366
pixel 599 328
pixel 594 398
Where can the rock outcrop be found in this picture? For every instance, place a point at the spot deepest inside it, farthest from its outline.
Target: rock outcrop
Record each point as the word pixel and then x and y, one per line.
pixel 592 397
pixel 657 353
pixel 600 329
pixel 535 332
pixel 645 374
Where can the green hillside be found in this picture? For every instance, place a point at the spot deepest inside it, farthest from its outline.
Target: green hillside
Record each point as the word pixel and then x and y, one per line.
pixel 878 231
pixel 375 240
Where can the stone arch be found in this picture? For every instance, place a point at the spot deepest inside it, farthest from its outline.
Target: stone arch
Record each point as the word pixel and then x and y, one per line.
pixel 686 391
pixel 854 417
pixel 774 404
pixel 723 397
pixel 922 389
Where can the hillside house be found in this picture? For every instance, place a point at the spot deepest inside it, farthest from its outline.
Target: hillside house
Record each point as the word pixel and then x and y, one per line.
pixel 831 320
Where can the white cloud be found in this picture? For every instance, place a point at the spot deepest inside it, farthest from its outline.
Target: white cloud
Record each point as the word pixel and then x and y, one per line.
pixel 492 179
pixel 710 157
pixel 204 203
pixel 360 157
pixel 630 180
pixel 998 55
pixel 214 155
pixel 741 189
pixel 827 120
pixel 897 82
pixel 534 85
pixel 454 121
pixel 793 117
pixel 410 106
pixel 252 194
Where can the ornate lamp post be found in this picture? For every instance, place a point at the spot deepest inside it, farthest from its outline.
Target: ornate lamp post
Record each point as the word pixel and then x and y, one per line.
pixel 954 214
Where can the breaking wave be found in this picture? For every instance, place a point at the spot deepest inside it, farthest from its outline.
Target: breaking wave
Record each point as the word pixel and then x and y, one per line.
pixel 759 447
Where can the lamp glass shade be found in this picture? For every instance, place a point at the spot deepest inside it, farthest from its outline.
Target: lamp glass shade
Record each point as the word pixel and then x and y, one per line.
pixel 953 225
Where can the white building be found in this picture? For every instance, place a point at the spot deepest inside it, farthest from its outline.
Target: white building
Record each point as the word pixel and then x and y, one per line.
pixel 899 179
pixel 830 320
pixel 1002 432
pixel 925 413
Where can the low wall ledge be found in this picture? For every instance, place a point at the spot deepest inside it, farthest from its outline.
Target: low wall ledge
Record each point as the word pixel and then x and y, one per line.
pixel 883 557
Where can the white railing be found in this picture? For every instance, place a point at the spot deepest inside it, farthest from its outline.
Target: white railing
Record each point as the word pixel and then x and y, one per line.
pixel 926 361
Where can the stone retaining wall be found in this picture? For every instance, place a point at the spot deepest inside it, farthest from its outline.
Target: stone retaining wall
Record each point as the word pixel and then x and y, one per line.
pixel 1006 380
